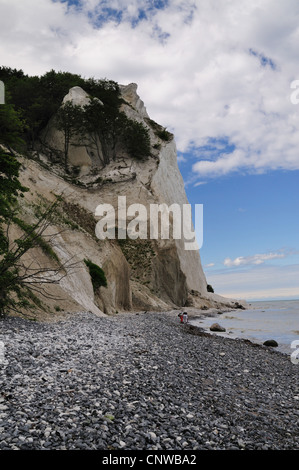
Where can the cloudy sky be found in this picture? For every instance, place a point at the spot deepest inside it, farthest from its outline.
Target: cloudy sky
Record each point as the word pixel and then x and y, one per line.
pixel 221 75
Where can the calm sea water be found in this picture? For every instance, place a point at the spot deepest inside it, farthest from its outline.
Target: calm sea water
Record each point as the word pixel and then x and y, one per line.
pixel 278 320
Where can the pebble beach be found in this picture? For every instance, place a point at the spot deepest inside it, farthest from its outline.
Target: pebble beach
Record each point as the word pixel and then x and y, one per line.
pixel 141 381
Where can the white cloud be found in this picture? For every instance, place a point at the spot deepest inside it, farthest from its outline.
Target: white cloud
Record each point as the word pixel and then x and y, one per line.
pixel 264 294
pixel 181 159
pixel 209 265
pixel 209 71
pixel 253 260
pixel 257 282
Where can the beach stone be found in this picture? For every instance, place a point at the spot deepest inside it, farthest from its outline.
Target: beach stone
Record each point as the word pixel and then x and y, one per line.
pixel 217 327
pixel 216 402
pixel 271 342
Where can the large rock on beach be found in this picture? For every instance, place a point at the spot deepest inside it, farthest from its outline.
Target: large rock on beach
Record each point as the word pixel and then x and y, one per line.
pixel 217 327
pixel 271 342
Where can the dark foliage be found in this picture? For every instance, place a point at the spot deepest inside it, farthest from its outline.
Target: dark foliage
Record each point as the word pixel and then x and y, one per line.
pixel 97 275
pixel 36 99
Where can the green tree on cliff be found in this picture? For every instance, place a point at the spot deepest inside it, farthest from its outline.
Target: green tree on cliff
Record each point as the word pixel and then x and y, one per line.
pixel 19 280
pixel 68 120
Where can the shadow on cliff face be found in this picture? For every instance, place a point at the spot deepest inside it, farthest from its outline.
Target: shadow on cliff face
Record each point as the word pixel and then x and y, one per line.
pixel 157 268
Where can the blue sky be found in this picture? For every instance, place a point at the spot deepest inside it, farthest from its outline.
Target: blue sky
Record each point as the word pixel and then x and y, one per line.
pixel 216 74
pixel 250 224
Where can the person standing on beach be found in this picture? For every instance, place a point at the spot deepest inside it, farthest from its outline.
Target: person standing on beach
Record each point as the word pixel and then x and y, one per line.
pixel 183 317
pixel 180 315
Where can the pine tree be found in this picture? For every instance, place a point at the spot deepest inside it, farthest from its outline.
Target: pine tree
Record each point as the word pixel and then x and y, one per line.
pixel 68 120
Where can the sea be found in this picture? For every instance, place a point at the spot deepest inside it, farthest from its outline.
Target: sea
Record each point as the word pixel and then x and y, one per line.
pixel 263 320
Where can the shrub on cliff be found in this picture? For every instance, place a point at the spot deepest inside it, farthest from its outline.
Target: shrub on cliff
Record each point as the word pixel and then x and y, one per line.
pixel 137 140
pixel 97 274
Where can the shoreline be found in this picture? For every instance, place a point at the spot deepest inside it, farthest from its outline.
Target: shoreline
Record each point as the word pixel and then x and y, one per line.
pixel 252 325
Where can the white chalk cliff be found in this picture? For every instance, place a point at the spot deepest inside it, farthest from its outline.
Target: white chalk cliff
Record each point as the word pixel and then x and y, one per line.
pixel 141 274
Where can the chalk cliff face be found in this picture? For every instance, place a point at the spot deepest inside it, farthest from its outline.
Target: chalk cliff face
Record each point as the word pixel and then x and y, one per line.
pixel 151 274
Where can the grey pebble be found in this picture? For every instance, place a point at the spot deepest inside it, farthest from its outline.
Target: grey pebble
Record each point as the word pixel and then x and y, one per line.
pixel 141 382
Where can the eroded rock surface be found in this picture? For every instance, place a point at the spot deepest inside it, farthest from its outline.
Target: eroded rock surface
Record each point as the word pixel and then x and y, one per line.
pixel 142 274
